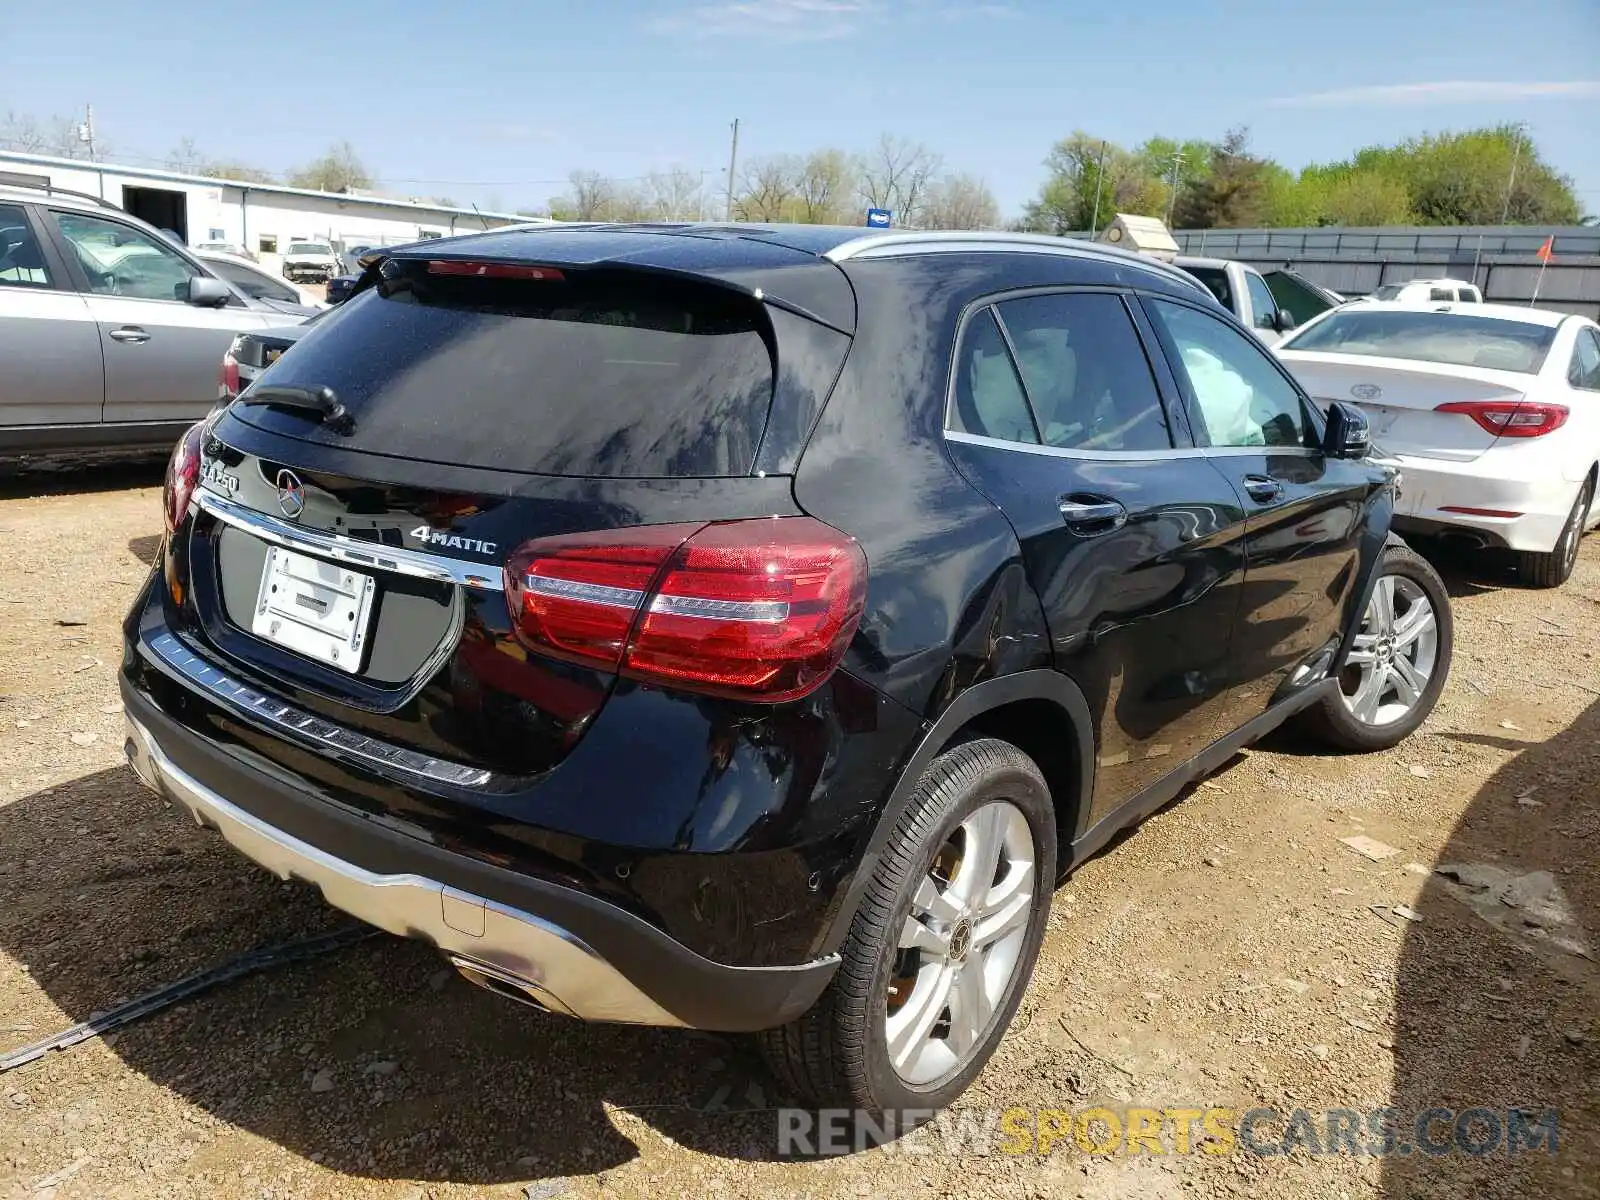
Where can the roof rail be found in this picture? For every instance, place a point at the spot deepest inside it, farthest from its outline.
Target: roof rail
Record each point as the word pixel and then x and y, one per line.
pixel 912 241
pixel 37 183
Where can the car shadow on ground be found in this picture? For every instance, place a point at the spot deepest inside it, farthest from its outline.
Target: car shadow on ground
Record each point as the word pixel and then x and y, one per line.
pixel 106 892
pixel 1467 571
pixel 145 548
pixel 55 479
pixel 1497 999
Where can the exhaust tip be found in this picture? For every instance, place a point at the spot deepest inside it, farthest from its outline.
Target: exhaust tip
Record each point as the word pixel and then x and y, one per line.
pixel 505 984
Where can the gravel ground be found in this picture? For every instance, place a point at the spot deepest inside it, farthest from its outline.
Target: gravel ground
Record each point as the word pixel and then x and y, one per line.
pixel 1231 952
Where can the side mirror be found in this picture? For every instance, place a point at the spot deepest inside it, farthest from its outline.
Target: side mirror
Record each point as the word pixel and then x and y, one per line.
pixel 1285 321
pixel 1347 434
pixel 205 292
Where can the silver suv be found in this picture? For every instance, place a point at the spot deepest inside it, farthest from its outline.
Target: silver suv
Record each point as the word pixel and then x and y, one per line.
pixel 111 334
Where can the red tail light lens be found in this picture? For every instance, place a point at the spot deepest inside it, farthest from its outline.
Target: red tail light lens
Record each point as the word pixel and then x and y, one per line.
pixel 752 610
pixel 480 270
pixel 575 597
pixel 183 475
pixel 228 377
pixel 1511 418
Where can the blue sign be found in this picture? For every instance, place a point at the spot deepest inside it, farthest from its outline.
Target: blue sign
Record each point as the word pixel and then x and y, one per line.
pixel 878 218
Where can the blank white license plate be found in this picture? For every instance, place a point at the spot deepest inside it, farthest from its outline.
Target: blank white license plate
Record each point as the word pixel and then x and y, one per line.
pixel 315 608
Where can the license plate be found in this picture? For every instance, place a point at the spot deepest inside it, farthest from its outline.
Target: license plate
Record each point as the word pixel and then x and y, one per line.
pixel 315 608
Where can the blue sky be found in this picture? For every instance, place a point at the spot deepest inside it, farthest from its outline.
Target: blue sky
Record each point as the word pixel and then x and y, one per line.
pixel 496 100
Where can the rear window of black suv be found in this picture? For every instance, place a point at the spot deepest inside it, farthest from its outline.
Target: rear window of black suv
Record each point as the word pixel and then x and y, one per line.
pixel 592 372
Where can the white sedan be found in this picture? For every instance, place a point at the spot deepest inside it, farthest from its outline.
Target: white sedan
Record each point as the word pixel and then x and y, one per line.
pixel 1491 413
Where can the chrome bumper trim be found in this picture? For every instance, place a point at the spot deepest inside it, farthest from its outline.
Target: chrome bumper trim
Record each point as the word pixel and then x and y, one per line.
pixel 368 555
pixel 516 946
pixel 188 668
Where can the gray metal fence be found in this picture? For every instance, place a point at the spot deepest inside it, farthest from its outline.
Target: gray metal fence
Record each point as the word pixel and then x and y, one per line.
pixel 1500 259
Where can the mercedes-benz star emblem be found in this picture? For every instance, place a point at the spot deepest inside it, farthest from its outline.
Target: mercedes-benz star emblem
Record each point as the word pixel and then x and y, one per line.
pixel 291 494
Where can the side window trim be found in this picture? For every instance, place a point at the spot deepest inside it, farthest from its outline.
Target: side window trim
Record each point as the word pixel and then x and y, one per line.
pixel 1315 422
pixel 1173 403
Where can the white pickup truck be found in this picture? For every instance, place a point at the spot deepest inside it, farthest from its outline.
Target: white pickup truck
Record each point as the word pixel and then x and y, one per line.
pixel 1270 305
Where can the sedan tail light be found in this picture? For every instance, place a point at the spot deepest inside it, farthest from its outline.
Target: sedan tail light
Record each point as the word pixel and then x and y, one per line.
pixel 753 610
pixel 228 374
pixel 183 476
pixel 1511 418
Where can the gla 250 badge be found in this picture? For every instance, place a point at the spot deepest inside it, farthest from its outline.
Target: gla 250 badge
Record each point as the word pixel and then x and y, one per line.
pixel 450 541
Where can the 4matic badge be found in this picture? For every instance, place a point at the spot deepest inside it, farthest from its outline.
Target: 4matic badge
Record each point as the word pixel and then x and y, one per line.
pixel 450 541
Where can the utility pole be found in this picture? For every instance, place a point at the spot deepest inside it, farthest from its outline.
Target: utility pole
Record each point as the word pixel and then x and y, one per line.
pixel 1172 200
pixel 1099 178
pixel 86 130
pixel 733 162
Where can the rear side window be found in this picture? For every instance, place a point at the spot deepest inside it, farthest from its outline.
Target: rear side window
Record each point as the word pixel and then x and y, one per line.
pixel 1441 294
pixel 600 373
pixel 989 398
pixel 21 261
pixel 1216 281
pixel 253 283
pixel 1086 373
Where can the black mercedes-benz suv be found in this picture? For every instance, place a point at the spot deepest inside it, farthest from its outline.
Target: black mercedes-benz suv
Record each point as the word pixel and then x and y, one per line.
pixel 746 628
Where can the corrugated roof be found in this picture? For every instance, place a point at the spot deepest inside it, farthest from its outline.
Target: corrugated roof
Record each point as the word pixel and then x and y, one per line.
pixel 80 164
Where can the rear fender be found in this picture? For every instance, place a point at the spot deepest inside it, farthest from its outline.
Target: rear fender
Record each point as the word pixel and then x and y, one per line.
pixel 1039 684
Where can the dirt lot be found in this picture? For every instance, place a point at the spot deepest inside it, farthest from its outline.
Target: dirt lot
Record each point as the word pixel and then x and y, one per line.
pixel 1232 952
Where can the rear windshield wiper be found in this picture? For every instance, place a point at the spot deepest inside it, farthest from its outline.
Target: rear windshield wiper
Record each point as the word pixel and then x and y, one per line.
pixel 322 401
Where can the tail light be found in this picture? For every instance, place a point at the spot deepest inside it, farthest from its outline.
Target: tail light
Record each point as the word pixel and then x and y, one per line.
pixel 752 610
pixel 1511 418
pixel 478 270
pixel 228 374
pixel 183 475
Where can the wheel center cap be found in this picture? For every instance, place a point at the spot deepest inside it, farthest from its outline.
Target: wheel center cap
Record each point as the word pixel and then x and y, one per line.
pixel 1385 649
pixel 961 940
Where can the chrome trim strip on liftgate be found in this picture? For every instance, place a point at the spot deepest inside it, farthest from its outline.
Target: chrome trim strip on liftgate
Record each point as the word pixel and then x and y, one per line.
pixel 370 556
pixel 170 655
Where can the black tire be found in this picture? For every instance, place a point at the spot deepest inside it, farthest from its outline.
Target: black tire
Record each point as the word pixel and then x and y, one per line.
pixel 1552 569
pixel 835 1055
pixel 1331 720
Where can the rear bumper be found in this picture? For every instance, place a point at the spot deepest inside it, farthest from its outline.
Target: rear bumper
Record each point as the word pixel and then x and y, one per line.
pixel 565 950
pixel 1429 488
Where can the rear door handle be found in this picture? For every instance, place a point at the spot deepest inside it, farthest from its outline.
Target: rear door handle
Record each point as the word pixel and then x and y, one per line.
pixel 1262 488
pixel 1091 515
pixel 131 334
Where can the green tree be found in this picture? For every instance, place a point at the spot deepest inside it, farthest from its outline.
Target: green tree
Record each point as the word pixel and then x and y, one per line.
pixel 339 170
pixel 827 188
pixel 1080 167
pixel 1233 192
pixel 1360 198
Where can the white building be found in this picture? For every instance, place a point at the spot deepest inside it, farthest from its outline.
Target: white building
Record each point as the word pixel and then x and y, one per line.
pixel 261 217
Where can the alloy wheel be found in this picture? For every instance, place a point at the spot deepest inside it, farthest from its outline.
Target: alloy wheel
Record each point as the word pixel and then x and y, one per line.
pixel 960 944
pixel 1394 654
